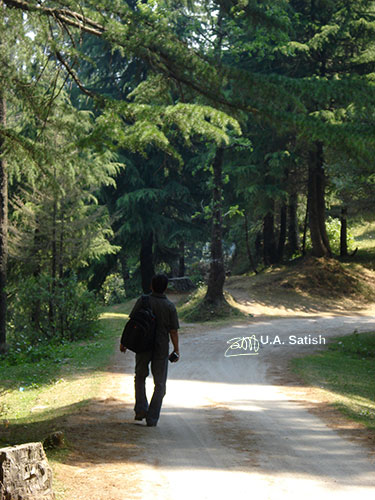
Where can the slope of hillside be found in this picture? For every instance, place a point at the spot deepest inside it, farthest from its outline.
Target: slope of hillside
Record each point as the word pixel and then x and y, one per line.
pixel 306 286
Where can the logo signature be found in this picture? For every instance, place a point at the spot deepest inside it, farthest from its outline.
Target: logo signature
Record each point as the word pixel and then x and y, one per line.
pixel 242 346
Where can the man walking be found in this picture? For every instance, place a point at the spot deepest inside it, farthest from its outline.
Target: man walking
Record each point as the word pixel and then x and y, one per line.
pixel 166 325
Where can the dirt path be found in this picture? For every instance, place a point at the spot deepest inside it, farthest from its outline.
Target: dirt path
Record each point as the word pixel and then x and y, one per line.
pixel 227 428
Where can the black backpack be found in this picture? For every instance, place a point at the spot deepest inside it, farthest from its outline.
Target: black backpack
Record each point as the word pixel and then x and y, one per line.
pixel 139 332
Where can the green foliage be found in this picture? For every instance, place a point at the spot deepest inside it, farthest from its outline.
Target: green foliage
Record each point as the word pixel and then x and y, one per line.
pixel 198 272
pixel 173 81
pixel 42 309
pixel 152 125
pixel 333 225
pixel 54 380
pixel 45 352
pixel 113 291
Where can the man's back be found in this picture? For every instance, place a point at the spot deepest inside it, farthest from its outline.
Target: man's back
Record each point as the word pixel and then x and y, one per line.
pixel 166 320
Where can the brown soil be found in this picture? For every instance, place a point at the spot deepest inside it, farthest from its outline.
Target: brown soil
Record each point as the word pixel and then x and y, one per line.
pixel 101 442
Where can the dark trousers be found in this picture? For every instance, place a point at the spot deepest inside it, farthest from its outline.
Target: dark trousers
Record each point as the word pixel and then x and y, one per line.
pixel 159 369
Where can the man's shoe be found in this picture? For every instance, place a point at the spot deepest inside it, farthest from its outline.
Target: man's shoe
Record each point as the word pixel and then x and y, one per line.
pixel 140 416
pixel 150 424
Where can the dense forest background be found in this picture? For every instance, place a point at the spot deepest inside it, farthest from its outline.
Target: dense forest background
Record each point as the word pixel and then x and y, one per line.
pixel 194 138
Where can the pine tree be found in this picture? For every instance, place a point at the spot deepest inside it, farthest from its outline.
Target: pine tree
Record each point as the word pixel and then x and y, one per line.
pixel 322 54
pixel 11 83
pixel 56 225
pixel 3 227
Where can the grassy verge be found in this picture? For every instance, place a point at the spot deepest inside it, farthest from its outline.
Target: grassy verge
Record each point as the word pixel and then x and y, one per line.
pixel 345 372
pixel 363 230
pixel 35 396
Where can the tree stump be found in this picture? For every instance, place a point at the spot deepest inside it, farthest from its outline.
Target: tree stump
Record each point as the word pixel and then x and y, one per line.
pixel 25 473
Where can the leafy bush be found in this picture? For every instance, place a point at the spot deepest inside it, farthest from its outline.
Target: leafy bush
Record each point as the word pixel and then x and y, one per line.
pixel 113 290
pixel 333 229
pixel 23 351
pixel 41 309
pixel 198 273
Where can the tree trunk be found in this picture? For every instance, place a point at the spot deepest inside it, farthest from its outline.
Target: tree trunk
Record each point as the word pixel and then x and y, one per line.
pixel 101 270
pixel 249 254
pixel 282 234
pixel 3 228
pixel 216 279
pixel 293 236
pixel 52 303
pixel 269 244
pixel 181 260
pixel 61 247
pixel 316 203
pixel 321 187
pixel 62 311
pixel 25 473
pixel 36 304
pixel 258 245
pixel 343 233
pixel 147 262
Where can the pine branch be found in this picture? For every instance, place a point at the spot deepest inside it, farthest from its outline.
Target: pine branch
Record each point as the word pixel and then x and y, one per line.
pixel 165 62
pixel 73 74
pixel 64 15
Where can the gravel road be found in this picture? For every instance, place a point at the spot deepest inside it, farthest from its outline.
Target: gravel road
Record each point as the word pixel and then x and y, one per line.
pixel 226 430
pixel 229 426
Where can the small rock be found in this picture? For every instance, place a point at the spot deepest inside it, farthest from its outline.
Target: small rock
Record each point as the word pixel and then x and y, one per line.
pixel 54 440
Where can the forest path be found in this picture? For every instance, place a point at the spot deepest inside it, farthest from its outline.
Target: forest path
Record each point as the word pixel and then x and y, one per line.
pixel 228 427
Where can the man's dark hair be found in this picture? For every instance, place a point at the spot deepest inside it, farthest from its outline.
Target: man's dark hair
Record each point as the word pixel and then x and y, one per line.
pixel 159 283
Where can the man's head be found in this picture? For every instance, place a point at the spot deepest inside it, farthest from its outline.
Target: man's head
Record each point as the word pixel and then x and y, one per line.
pixel 159 283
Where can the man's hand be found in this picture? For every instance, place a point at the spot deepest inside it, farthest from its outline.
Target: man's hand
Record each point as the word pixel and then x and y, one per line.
pixel 122 348
pixel 174 339
pixel 174 356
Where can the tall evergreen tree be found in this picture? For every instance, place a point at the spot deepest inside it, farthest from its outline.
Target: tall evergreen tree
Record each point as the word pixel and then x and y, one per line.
pixel 3 226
